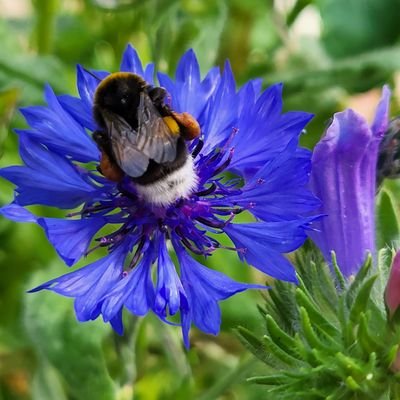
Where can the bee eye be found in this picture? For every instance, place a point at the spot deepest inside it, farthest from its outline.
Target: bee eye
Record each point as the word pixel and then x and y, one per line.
pixel 124 100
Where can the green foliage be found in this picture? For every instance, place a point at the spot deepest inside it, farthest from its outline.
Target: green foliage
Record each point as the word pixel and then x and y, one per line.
pixel 369 24
pixel 44 353
pixel 337 342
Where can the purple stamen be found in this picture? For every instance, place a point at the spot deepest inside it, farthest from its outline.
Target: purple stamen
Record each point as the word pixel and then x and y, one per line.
pixel 210 223
pixel 207 191
pixel 225 164
pixel 198 148
pixel 137 254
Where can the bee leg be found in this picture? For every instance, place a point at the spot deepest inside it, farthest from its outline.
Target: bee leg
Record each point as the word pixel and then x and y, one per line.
pixel 189 127
pixel 107 167
pixel 157 96
pixel 102 140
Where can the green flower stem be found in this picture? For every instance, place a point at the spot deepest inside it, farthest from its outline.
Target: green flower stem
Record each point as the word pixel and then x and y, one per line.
pixel 234 375
pixel 46 11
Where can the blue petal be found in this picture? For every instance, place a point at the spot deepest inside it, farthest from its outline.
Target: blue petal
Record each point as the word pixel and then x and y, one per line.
pixel 261 243
pixel 78 110
pixel 87 84
pixel 263 133
pixel 117 323
pixel 135 291
pixel 279 189
pixel 71 238
pixel 47 179
pixel 14 212
pixel 189 93
pixel 89 284
pixel 131 61
pixel 58 130
pixel 223 110
pixel 169 290
pixel 205 288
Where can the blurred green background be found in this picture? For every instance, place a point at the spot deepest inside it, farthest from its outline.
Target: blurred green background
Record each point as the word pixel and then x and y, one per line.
pixel 329 54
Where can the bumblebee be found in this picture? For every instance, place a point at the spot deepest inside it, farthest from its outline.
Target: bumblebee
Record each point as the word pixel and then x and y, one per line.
pixel 141 137
pixel 388 165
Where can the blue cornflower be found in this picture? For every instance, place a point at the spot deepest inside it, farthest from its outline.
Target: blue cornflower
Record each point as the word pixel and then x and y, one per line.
pixel 244 132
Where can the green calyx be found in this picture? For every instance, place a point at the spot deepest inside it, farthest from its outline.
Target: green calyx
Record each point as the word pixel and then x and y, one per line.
pixel 329 337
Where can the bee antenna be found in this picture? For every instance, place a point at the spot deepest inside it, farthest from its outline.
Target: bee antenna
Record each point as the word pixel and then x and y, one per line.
pixel 91 73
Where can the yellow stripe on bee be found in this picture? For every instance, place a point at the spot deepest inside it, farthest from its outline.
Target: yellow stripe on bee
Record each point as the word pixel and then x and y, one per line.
pixel 172 125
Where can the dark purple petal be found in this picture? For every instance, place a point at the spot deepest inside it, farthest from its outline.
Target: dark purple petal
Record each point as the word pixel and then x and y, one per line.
pixel 381 120
pixel 343 177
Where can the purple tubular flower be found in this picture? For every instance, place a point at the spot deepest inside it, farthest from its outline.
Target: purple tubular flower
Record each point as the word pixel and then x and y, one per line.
pixel 243 132
pixel 343 177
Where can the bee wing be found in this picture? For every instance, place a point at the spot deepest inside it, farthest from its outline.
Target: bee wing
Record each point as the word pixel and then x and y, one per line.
pixel 154 137
pixel 123 142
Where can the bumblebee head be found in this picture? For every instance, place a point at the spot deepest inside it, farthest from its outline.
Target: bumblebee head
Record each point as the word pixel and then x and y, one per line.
pixel 120 94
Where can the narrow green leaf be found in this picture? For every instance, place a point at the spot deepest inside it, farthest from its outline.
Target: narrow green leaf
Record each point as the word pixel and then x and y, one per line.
pixel 358 281
pixel 361 300
pixel 352 384
pixel 364 337
pixel 308 331
pixel 338 273
pixel 315 315
pixel 280 354
pixel 277 379
pixel 253 344
pixel 281 338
